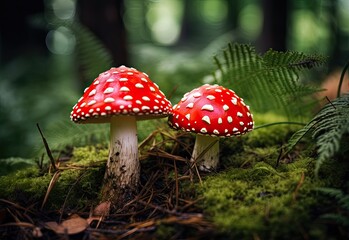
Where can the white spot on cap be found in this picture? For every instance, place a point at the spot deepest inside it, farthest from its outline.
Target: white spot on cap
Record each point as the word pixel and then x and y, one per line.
pixel 145 98
pixel 129 73
pixel 215 131
pixel 190 105
pixel 206 119
pixel 108 90
pixel 152 89
pixel 239 114
pixel 109 99
pixel 83 104
pixel 96 82
pixel 135 110
pixel 220 121
pixel 138 102
pixel 128 97
pixel 187 116
pixel 218 90
pixel 144 108
pixel 85 89
pixel 197 94
pixel 93 92
pixel 124 89
pixel 248 114
pixel 156 108
pixel 210 97
pixel 91 102
pixel 123 79
pixel 203 130
pixel 139 85
pixel 107 108
pixel 230 119
pixel 207 107
pixel 234 100
pixel 235 129
pixel 144 80
pixel 110 80
pixel 225 107
pixel 241 123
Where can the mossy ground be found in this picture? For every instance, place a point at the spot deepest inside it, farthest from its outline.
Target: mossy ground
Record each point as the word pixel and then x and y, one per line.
pixel 258 192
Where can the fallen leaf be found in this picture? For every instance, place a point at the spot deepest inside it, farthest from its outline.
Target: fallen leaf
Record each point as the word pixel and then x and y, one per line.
pixel 102 209
pixel 70 226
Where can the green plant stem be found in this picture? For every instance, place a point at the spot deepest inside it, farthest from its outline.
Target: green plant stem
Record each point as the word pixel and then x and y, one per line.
pixel 278 123
pixel 342 79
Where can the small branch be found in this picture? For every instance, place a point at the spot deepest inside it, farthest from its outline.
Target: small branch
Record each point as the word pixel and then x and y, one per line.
pixel 47 148
pixel 330 102
pixel 342 79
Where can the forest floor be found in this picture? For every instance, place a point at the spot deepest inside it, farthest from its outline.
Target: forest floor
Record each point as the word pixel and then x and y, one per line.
pixel 259 191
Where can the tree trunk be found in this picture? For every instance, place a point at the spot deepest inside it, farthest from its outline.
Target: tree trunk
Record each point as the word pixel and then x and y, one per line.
pixel 275 22
pixel 104 19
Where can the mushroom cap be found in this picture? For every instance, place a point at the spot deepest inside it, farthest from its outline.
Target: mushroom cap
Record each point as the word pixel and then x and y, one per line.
pixel 212 110
pixel 121 91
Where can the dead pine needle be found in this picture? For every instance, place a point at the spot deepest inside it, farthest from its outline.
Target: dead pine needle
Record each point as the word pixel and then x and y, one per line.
pixel 49 153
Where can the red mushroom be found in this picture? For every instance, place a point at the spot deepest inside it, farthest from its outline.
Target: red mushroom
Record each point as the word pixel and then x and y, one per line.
pixel 211 111
pixel 121 96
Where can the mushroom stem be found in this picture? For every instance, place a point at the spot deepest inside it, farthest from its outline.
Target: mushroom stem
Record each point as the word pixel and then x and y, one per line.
pixel 123 168
pixel 206 152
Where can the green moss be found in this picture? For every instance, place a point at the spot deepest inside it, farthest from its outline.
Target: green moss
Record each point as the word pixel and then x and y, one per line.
pixel 265 201
pixel 89 155
pixel 76 186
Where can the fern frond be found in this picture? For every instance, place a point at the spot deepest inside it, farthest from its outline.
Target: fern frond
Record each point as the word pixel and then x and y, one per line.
pixel 67 133
pixel 343 201
pixel 327 128
pixel 332 192
pixel 91 53
pixel 269 81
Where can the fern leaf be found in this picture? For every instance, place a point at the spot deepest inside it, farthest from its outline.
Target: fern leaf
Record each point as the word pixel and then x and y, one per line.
pixel 327 128
pixel 67 133
pixel 92 54
pixel 268 81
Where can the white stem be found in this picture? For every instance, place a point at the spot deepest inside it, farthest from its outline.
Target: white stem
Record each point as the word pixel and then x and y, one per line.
pixel 206 152
pixel 123 168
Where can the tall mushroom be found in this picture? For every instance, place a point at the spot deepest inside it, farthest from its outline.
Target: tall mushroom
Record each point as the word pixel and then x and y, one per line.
pixel 121 96
pixel 210 111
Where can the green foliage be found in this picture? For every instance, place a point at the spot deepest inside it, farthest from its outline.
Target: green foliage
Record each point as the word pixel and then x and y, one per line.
pixel 342 215
pixel 270 81
pixel 66 133
pixel 10 165
pixel 92 55
pixel 327 128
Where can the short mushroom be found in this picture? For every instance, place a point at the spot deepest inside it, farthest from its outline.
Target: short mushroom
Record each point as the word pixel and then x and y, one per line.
pixel 210 111
pixel 121 96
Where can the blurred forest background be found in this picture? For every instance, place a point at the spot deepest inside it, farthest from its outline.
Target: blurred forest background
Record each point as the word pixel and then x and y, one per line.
pixel 45 64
